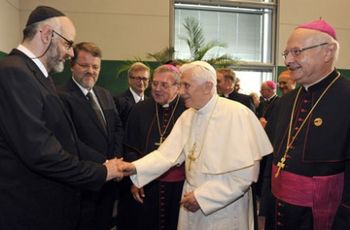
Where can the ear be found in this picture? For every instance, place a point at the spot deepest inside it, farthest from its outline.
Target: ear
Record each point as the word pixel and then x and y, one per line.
pixel 46 34
pixel 330 52
pixel 208 86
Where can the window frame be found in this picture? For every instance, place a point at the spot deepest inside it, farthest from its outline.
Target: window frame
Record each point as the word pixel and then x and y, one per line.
pixel 244 65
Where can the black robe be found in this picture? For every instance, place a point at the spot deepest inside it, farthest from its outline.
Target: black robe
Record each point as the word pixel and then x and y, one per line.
pixel 161 203
pixel 319 150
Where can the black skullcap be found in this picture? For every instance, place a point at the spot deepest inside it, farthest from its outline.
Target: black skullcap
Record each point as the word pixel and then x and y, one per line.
pixel 42 13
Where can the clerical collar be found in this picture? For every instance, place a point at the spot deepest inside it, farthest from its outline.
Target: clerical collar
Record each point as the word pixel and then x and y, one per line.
pixel 37 61
pixel 227 95
pixel 168 104
pixel 271 98
pixel 306 87
pixel 137 97
pixel 209 106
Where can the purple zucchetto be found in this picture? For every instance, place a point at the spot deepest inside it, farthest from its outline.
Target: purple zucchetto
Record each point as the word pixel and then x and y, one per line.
pixel 271 84
pixel 320 25
pixel 42 13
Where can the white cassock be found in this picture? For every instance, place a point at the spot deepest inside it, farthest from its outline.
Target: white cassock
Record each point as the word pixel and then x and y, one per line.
pixel 228 142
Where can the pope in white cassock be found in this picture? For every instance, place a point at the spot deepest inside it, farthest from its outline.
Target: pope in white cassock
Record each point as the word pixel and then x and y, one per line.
pixel 221 142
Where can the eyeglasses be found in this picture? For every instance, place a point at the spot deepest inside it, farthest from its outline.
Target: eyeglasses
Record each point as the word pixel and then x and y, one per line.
pixel 87 66
pixel 295 52
pixel 144 79
pixel 164 85
pixel 69 43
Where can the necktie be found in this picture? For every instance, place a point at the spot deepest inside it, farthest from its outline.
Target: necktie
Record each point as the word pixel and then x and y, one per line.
pixel 51 83
pixel 97 110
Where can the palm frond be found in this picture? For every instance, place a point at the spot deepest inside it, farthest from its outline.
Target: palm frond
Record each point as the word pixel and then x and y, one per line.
pixel 206 47
pixel 195 35
pixel 126 65
pixel 223 61
pixel 162 56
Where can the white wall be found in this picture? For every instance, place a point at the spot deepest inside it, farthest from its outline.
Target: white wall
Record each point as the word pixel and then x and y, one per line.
pixel 10 32
pixel 124 29
pixel 295 12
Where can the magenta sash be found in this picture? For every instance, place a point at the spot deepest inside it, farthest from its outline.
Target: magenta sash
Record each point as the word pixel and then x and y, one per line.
pixel 321 193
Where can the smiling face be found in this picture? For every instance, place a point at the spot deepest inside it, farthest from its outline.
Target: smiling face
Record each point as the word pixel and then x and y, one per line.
pixel 86 69
pixel 311 64
pixel 285 83
pixel 164 87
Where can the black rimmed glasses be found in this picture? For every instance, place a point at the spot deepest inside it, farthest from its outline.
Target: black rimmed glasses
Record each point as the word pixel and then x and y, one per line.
pixel 144 79
pixel 69 43
pixel 295 52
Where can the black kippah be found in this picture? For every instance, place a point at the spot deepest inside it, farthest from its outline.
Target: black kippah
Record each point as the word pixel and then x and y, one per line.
pixel 41 13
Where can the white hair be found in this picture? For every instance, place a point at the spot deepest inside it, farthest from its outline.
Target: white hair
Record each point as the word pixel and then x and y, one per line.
pixel 201 71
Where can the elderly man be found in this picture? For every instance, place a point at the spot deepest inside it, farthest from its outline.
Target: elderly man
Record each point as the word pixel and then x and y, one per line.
pixel 41 172
pixel 138 78
pixel 98 126
pixel 311 168
pixel 285 82
pixel 265 109
pixel 221 143
pixel 156 206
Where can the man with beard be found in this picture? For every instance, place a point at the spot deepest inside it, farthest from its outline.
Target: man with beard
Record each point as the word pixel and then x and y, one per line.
pixel 98 125
pixel 41 172
pixel 221 142
pixel 311 167
pixel 156 206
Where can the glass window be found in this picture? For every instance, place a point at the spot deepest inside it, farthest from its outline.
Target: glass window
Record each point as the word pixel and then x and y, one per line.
pixel 247 29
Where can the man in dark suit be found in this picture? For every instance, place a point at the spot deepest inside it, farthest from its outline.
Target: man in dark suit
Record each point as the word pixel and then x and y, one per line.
pixel 138 78
pixel 41 172
pixel 225 86
pixel 102 133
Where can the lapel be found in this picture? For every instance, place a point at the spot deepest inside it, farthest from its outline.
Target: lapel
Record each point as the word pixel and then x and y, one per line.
pixel 86 107
pixel 130 97
pixel 40 77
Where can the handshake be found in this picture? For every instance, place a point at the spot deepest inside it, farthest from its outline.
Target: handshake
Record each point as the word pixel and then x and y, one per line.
pixel 117 169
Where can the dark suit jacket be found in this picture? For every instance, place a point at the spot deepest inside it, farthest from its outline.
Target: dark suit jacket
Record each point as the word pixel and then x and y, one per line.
pixel 97 207
pixel 40 169
pixel 109 144
pixel 124 102
pixel 242 98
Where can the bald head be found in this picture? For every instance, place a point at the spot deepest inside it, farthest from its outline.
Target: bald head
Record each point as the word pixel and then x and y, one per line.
pixel 285 82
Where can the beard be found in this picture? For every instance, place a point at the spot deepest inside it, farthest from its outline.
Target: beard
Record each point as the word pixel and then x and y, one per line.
pixel 55 61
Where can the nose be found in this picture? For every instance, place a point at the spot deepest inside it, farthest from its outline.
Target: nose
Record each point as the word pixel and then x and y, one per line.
pixel 71 52
pixel 181 90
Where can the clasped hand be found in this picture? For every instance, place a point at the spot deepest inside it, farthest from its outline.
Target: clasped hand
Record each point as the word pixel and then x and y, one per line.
pixel 117 169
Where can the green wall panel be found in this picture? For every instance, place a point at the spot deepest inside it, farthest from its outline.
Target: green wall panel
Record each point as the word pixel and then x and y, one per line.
pixel 117 84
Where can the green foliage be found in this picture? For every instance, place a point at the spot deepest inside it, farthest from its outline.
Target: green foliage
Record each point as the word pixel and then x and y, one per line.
pixel 162 56
pixel 199 49
pixel 126 65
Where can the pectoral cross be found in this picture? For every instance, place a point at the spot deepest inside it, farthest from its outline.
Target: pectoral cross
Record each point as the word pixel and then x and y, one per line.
pixel 160 141
pixel 280 166
pixel 191 157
